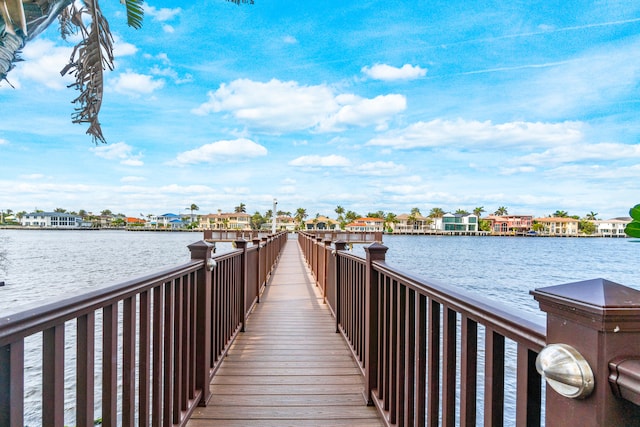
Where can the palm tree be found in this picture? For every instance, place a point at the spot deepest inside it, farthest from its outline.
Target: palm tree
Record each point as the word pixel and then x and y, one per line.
pixel 462 212
pixel 502 210
pixel 560 214
pixel 340 211
pixel 241 208
pixel 300 215
pixel 390 219
pixel 592 216
pixel 192 208
pixel 436 213
pixel 478 211
pixel 91 56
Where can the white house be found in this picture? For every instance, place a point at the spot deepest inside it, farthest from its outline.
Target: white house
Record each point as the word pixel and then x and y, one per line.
pixel 456 222
pixel 612 227
pixel 51 220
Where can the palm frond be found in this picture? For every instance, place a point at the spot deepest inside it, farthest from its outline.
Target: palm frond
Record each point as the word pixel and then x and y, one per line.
pixel 135 13
pixel 88 61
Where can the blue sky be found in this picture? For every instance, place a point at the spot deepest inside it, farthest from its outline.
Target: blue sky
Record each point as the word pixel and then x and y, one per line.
pixel 371 105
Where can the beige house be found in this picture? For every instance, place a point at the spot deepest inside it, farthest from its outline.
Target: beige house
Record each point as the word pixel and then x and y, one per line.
pixel 366 224
pixel 556 226
pixel 322 223
pixel 407 224
pixel 226 221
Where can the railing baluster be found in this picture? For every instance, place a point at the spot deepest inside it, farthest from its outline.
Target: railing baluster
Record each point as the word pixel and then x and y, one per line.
pixel 494 379
pixel 129 361
pixel 422 332
pixel 433 364
pixel 449 333
pixel 12 384
pixel 144 357
pixel 178 349
pixel 469 372
pixel 411 343
pixel 85 351
pixel 109 364
pixel 167 350
pixel 529 389
pixel 53 376
pixel 157 340
pixel 401 363
pixel 391 401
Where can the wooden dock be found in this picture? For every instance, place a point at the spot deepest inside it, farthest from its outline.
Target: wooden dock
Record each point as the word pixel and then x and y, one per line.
pixel 290 367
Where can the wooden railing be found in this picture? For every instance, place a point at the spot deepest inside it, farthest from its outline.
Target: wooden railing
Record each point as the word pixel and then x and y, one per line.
pixel 163 337
pixel 430 352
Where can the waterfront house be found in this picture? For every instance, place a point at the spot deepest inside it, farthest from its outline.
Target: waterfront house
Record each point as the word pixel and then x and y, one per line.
pixel 410 224
pixel 517 224
pixel 283 223
pixel 321 223
pixel 134 222
pixel 450 222
pixel 558 226
pixel 168 220
pixel 51 220
pixel 366 224
pixel 612 227
pixel 225 221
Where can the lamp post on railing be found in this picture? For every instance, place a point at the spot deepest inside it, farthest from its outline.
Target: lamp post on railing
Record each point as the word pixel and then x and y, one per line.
pixel 596 322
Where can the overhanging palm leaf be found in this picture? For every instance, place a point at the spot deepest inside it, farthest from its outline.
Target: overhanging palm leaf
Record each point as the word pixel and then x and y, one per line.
pixel 135 13
pixel 22 21
pixel 88 61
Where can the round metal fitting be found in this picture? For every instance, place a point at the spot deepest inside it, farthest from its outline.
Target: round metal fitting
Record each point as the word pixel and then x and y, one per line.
pixel 565 370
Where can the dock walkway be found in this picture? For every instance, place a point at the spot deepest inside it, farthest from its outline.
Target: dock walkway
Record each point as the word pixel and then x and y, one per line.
pixel 290 367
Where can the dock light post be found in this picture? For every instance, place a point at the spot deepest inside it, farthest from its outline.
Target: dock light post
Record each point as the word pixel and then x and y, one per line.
pixel 274 217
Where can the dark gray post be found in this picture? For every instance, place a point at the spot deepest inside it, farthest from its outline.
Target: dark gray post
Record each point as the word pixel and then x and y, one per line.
pixel 202 251
pixel 375 252
pixel 340 245
pixel 242 244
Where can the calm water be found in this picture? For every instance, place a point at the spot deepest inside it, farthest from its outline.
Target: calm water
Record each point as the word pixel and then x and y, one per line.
pixel 42 266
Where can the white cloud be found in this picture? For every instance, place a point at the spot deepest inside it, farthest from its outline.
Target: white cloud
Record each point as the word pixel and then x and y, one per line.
pixel 290 40
pixel 168 29
pixel 163 14
pixel 582 152
pixel 118 151
pixel 43 61
pixel 131 83
pixel 438 133
pixel 33 176
pixel 122 48
pixel 3 141
pixel 387 72
pixel 287 106
pixel 222 151
pixel 380 169
pixel 132 179
pixel 363 111
pixel 332 160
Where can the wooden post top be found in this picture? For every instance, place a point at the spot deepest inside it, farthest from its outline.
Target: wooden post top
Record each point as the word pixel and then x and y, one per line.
pixel 598 304
pixel 201 250
pixel 376 251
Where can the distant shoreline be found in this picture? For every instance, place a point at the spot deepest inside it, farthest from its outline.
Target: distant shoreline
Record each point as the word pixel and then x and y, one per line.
pixel 435 233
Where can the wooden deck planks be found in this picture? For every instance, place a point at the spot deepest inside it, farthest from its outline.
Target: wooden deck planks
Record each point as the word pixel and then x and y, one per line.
pixel 289 368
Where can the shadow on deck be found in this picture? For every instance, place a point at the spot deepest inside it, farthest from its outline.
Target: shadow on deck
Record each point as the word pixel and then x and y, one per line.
pixel 289 367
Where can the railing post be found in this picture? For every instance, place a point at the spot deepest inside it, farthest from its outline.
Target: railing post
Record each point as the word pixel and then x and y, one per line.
pixel 202 251
pixel 375 252
pixel 260 272
pixel 326 253
pixel 601 320
pixel 340 245
pixel 242 244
